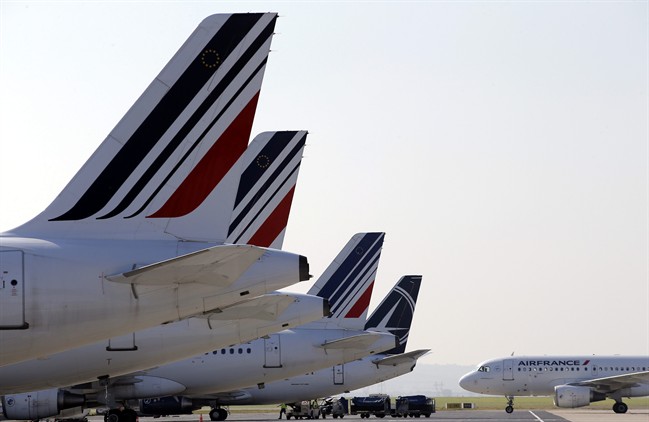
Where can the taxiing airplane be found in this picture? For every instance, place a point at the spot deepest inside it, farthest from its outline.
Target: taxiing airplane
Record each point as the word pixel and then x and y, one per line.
pixel 347 284
pixel 268 173
pixel 574 381
pixel 394 314
pixel 136 238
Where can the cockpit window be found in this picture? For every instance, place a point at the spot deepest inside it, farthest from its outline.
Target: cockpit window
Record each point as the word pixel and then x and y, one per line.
pixel 484 368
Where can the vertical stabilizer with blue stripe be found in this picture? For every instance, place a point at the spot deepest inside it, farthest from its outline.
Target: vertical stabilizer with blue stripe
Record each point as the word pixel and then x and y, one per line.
pixel 348 281
pixel 395 313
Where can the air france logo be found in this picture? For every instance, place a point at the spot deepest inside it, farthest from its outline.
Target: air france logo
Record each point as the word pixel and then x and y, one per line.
pixel 576 362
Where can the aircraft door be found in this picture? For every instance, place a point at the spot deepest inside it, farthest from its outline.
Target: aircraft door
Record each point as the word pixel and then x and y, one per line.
pixel 508 369
pixel 12 291
pixel 272 352
pixel 339 374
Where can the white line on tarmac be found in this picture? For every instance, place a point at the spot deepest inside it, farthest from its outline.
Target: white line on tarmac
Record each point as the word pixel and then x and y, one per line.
pixel 537 418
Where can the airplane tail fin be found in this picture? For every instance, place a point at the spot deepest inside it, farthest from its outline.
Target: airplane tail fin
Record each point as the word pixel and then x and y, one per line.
pixel 269 173
pixel 395 312
pixel 154 176
pixel 348 281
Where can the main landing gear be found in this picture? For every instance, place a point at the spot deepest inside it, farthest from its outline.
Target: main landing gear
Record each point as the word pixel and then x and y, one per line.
pixel 120 415
pixel 218 414
pixel 620 407
pixel 510 404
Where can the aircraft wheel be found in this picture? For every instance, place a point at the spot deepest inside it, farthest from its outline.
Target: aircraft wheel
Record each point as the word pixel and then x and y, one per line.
pixel 218 414
pixel 112 416
pixel 620 407
pixel 509 409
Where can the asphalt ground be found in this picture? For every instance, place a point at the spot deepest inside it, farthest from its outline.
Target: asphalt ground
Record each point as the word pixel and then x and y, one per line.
pixel 561 415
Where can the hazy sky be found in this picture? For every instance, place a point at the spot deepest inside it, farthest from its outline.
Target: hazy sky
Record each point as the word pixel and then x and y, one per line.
pixel 502 146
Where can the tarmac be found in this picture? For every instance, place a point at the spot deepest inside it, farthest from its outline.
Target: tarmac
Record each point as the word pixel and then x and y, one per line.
pixel 562 415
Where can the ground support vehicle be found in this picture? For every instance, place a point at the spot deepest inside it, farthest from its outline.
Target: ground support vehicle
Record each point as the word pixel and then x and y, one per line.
pixel 303 410
pixel 414 406
pixel 376 404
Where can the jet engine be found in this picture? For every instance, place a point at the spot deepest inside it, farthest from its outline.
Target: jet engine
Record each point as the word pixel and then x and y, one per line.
pixel 574 396
pixel 39 404
pixel 176 405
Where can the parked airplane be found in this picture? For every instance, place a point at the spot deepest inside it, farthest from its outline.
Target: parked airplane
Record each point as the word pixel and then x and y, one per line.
pixel 347 284
pixel 136 238
pixel 268 172
pixel 575 381
pixel 394 314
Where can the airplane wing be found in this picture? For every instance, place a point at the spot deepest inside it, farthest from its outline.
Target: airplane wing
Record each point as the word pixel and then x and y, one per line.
pixel 394 360
pixel 353 342
pixel 218 265
pixel 618 382
pixel 266 307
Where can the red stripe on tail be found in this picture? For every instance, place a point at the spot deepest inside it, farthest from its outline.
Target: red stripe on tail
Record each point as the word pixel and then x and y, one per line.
pixel 361 304
pixel 213 166
pixel 274 224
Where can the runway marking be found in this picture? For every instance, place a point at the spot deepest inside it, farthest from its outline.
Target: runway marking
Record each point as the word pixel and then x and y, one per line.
pixel 537 418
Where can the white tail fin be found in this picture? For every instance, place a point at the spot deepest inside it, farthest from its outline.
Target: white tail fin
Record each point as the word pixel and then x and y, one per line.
pixel 163 160
pixel 348 281
pixel 264 197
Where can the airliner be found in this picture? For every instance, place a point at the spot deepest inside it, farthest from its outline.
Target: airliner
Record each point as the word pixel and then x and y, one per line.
pixel 347 284
pixel 268 172
pixel 136 238
pixel 574 381
pixel 393 314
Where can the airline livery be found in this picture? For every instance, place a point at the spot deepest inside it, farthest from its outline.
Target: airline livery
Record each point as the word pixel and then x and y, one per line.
pixel 345 284
pixel 574 381
pixel 136 239
pixel 266 191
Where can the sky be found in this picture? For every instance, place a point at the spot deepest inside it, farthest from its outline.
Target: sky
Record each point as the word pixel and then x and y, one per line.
pixel 502 146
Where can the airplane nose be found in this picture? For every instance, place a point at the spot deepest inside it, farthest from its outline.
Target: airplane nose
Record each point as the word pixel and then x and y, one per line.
pixel 466 382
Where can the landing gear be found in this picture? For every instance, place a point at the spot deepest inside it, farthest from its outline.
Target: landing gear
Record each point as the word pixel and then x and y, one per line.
pixel 120 415
pixel 620 407
pixel 510 404
pixel 218 414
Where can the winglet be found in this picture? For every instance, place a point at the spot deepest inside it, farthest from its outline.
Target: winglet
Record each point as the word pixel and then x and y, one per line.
pixel 163 160
pixel 395 312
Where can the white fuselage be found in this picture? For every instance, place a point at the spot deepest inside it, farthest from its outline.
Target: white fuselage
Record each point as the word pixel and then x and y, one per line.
pixel 68 302
pixel 159 345
pixel 322 383
pixel 539 375
pixel 285 354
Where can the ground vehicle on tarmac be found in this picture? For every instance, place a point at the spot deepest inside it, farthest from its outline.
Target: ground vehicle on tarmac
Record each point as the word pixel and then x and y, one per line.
pixel 414 406
pixel 305 409
pixel 376 404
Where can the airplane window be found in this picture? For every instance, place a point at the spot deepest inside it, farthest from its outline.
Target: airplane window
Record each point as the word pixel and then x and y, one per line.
pixel 484 369
pixel 248 350
pixel 222 351
pixel 231 351
pixel 240 350
pixel 215 352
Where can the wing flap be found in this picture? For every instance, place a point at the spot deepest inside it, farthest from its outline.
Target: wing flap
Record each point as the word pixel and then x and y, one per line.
pixel 218 265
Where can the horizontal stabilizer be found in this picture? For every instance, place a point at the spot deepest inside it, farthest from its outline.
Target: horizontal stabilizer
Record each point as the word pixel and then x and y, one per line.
pixel 360 341
pixel 267 307
pixel 218 266
pixel 394 360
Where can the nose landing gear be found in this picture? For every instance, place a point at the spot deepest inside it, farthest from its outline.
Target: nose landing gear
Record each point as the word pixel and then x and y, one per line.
pixel 510 404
